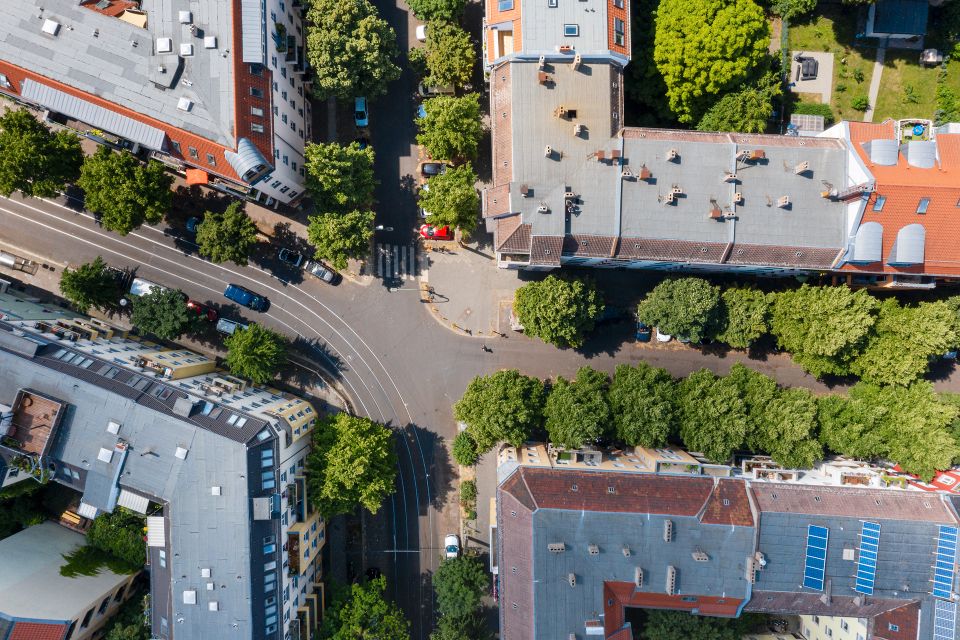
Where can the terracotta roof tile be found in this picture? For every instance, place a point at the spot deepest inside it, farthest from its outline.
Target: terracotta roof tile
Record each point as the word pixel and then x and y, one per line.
pixel 905 618
pixel 949 146
pixel 670 250
pixel 546 250
pixel 589 246
pixel 37 631
pixel 496 200
pixel 512 236
pixel 501 124
pixel 728 504
pixel 242 100
pixel 842 501
pixel 801 257
pixel 626 596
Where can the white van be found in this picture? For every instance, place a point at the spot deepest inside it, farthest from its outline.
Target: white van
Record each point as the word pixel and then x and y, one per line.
pixel 141 286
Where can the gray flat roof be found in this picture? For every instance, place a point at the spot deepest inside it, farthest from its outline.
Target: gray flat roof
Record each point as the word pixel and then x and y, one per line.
pixel 109 66
pixel 543 26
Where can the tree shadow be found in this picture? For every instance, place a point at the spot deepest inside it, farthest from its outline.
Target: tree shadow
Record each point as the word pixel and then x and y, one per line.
pixel 191 201
pixel 74 198
pixel 317 354
pixel 607 339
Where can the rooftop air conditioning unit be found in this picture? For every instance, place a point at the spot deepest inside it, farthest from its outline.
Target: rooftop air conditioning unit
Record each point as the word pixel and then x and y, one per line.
pixel 800 168
pixel 783 201
pixel 543 208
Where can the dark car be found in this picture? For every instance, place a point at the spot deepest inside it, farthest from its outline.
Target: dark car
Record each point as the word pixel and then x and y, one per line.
pixel 430 168
pixel 291 258
pixel 245 297
pixel 202 310
pixel 193 223
pixel 323 272
pixel 644 333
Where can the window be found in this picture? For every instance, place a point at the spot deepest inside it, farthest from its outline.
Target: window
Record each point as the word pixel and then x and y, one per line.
pixel 274 87
pixel 293 165
pixel 286 160
pixel 276 183
pixel 893 627
pixel 176 146
pixel 283 72
pixel 293 125
pixel 273 61
pixel 283 118
pixel 293 104
pixel 255 92
pixel 619 31
pixel 270 577
pixel 552 4
pixel 119 596
pixel 571 30
pixel 618 4
pixel 73 627
pixel 504 5
pixel 256 127
pixel 103 606
pixel 276 110
pixel 816 619
pixel 829 632
pixel 256 69
pixel 4 81
pixel 283 94
pixel 922 207
pixel 285 189
pixel 879 202
pixel 86 619
pixel 194 153
pixel 844 625
pixel 269 548
pixel 211 160
pixel 268 484
pixel 256 111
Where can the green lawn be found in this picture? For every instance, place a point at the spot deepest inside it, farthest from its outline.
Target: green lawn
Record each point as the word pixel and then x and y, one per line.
pixel 908 90
pixel 832 29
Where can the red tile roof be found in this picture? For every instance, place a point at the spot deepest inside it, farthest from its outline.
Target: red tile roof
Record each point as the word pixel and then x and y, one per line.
pixel 842 501
pixel 728 504
pixel 37 631
pixel 906 619
pixel 501 124
pixel 243 81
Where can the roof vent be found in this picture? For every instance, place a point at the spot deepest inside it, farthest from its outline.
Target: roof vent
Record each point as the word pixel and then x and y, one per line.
pixel 213 605
pixel 216 490
pixel 626 551
pixel 667 530
pixel 783 202
pixel 803 167
pixel 729 177
pixel 547 151
pixel 737 198
pixel 205 572
pixel 572 579
pixel 184 104
pixel 700 556
pixel 556 547
pixel 164 45
pixel 113 427
pixel 671 586
pixel 672 155
pixel 190 597
pixel 185 17
pixel 210 42
pixel 637 577
pixel 848 553
pixel 626 175
pixel 543 208
pixel 593 549
pixel 51 27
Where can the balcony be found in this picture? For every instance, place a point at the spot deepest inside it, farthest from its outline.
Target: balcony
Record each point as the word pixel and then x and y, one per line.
pixel 279 36
pixel 291 48
pixel 293 549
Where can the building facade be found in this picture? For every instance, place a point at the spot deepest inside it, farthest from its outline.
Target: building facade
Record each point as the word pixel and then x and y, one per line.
pixel 215 463
pixel 218 87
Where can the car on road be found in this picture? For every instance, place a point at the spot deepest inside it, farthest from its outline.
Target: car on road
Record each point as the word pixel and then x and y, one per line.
pixel 360 115
pixel 290 257
pixel 245 297
pixel 322 271
pixel 644 333
pixel 431 232
pixel 426 91
pixel 193 223
pixel 230 327
pixel 421 33
pixel 202 310
pixel 451 545
pixel 431 168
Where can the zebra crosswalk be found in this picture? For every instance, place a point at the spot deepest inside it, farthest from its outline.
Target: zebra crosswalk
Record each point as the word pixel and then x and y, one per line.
pixel 394 261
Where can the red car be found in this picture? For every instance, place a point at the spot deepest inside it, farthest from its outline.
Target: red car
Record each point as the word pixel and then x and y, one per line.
pixel 202 310
pixel 436 233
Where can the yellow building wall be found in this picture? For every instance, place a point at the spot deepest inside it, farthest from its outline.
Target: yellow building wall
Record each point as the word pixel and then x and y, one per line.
pixel 833 628
pixel 295 412
pixel 181 363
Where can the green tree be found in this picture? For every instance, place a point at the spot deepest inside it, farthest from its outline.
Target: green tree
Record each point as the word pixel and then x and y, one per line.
pixel 472 627
pixel 704 48
pixel 352 49
pixel 460 584
pixel 680 625
pixel 824 328
pixel 682 307
pixel 713 416
pixel 849 426
pixel 452 127
pixel 163 313
pixel 788 430
pixel 793 8
pixel 577 413
pixel 124 192
pixel 452 198
pixel 448 56
pixel 558 311
pixel 90 285
pixel 121 534
pixel 503 407
pixel 336 237
pixel 361 612
pixel 643 402
pixel 757 391
pixel 745 111
pixel 437 10
pixel 903 341
pixel 131 622
pixel 352 463
pixel 256 353
pixel 744 316
pixel 340 177
pixel 465 451
pixel 227 236
pixel 33 160
pixel 644 83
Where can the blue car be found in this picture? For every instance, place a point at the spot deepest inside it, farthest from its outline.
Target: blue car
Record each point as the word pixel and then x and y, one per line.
pixel 360 115
pixel 245 297
pixel 644 333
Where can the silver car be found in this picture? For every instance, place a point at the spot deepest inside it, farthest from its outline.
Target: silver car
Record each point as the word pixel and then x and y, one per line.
pixel 320 270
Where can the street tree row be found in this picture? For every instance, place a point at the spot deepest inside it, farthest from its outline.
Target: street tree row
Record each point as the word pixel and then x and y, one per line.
pixel 715 415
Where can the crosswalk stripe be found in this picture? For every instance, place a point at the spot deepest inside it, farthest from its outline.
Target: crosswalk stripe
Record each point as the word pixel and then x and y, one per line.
pixel 391 261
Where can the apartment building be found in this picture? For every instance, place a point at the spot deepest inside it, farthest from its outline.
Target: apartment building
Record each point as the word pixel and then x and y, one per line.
pixel 573 186
pixel 215 463
pixel 219 88
pixel 31 561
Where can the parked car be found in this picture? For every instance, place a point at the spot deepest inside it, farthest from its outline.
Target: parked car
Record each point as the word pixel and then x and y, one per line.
pixel 451 545
pixel 230 327
pixel 360 115
pixel 193 223
pixel 644 333
pixel 421 33
pixel 142 286
pixel 663 337
pixel 202 310
pixel 431 92
pixel 323 272
pixel 245 297
pixel 431 168
pixel 290 257
pixel 431 232
pixel 423 212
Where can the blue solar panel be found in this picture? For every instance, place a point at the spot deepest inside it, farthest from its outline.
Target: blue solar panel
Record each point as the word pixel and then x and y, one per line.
pixel 867 562
pixel 944 620
pixel 816 560
pixel 943 569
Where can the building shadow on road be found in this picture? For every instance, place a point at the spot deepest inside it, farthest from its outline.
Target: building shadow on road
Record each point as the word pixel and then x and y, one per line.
pixel 317 353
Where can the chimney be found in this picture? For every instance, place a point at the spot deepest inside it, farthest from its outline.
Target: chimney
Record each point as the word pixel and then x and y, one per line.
pixel 644 172
pixel 672 155
pixel 737 198
pixel 700 556
pixel 601 155
pixel 548 151
pixel 577 129
pixel 560 111
pixel 625 174
pixel 543 62
pixel 572 579
pixel 569 195
pixel 669 199
pixel 676 190
pixel 758 154
pixel 543 208
pixel 525 191
pixel 783 202
pixel 615 154
pixel 637 577
pixel 556 547
pixel 667 530
pixel 671 586
pixel 593 549
pixel 729 177
pixel 802 167
pixel 626 551
pixel 577 61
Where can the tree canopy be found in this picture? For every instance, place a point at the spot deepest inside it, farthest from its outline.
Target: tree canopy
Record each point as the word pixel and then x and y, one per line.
pixel 558 311
pixel 682 307
pixel 793 8
pixel 452 127
pixel 256 353
pixel 124 192
pixel 577 413
pixel 351 48
pixel 642 399
pixel 745 111
pixel 713 416
pixel 437 10
pixel 34 160
pixel 90 285
pixel 336 237
pixel 680 625
pixel 823 327
pixel 788 429
pixel 460 584
pixel 703 48
pixel 448 56
pixel 464 450
pixel 227 236
pixel 452 198
pixel 352 464
pixel 362 611
pixel 503 407
pixel 339 177
pixel 744 316
pixel 163 313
